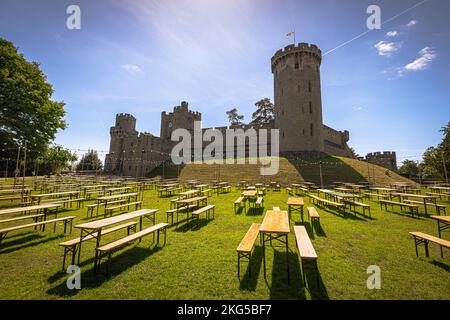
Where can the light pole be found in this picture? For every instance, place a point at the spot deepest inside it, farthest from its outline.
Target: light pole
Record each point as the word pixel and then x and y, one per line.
pixel 321 175
pixel 142 163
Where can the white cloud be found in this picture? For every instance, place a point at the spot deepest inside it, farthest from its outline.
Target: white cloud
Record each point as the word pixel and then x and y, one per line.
pixel 427 56
pixel 412 23
pixel 132 68
pixel 357 108
pixel 392 34
pixel 385 48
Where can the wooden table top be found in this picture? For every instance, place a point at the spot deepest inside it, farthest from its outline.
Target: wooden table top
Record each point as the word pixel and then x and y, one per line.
pixel 189 192
pixel 190 200
pixel 250 193
pixel 275 222
pixel 118 196
pixel 54 194
pixel 445 219
pixel 295 201
pixel 98 224
pixel 30 208
pixel 412 195
pixel 4 191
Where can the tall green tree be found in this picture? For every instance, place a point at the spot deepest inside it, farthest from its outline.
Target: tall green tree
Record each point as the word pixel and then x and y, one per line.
pixel 90 161
pixel 27 111
pixel 410 168
pixel 436 160
pixel 234 117
pixel 265 112
pixel 53 160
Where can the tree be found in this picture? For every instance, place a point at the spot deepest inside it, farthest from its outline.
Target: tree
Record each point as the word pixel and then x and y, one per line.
pixel 54 159
pixel 265 112
pixel 410 168
pixel 435 158
pixel 353 152
pixel 27 112
pixel 234 117
pixel 90 161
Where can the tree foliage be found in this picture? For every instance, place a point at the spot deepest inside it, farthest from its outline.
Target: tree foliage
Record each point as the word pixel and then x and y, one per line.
pixel 410 168
pixel 90 161
pixel 27 111
pixel 234 117
pixel 265 112
pixel 54 159
pixel 435 158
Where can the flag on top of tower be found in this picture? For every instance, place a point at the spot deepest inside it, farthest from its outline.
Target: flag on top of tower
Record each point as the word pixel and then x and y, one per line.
pixel 290 34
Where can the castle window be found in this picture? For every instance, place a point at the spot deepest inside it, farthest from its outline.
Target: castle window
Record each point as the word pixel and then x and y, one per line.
pixel 303 130
pixel 296 66
pixel 310 107
pixel 298 88
pixel 282 91
pixel 283 134
pixel 311 129
pixel 309 86
pixel 303 109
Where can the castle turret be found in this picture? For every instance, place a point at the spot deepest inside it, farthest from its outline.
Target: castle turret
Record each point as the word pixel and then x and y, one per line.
pixel 298 101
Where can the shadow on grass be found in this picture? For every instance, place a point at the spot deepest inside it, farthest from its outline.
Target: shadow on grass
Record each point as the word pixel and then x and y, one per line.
pixel 442 265
pixel 280 289
pixel 314 281
pixel 248 283
pixel 184 226
pixel 255 211
pixel 25 241
pixel 119 264
pixel 319 230
pixel 401 214
pixel 239 210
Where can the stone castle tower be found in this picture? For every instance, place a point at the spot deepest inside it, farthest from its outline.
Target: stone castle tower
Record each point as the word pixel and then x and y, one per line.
pixel 180 118
pixel 298 101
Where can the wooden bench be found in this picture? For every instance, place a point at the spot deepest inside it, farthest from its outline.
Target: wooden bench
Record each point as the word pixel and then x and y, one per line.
pixel 313 215
pixel 423 238
pixel 78 201
pixel 66 220
pixel 91 207
pixel 276 209
pixel 370 195
pixel 239 203
pixel 226 189
pixel 358 204
pixel 412 207
pixel 34 216
pixel 289 190
pixel 169 213
pixel 439 207
pixel 259 202
pixel 244 250
pixel 305 249
pixel 206 192
pixel 440 195
pixel 108 249
pixel 110 210
pixel 326 202
pixel 206 209
pixel 72 245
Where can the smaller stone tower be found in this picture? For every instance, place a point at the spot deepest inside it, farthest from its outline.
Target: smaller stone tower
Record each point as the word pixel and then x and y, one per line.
pixel 121 134
pixel 387 159
pixel 180 118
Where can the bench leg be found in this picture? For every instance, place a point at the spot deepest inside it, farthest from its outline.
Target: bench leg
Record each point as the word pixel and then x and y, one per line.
pixel 239 265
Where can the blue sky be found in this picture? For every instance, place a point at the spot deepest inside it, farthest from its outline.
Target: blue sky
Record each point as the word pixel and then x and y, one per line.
pixel 389 87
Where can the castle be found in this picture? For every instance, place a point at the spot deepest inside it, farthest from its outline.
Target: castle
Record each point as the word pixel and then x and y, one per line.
pixel 298 116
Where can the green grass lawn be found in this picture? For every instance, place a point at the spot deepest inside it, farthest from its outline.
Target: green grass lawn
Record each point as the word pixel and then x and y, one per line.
pixel 202 263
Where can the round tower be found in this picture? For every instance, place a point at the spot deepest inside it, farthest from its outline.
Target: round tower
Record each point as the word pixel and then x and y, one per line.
pixel 297 95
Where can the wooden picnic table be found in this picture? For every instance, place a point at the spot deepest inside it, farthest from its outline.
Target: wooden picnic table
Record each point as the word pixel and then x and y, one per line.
pixel 55 194
pixel 94 228
pixel 295 204
pixel 249 193
pixel 275 226
pixel 417 196
pixel 385 190
pixel 201 186
pixel 14 191
pixel 439 189
pixel 104 200
pixel 44 207
pixel 189 201
pixel 445 221
pixel 111 190
pixel 189 193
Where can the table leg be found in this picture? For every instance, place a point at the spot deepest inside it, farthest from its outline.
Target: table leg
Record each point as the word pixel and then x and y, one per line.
pixel 79 247
pixel 425 205
pixel 287 257
pixel 264 253
pixel 439 233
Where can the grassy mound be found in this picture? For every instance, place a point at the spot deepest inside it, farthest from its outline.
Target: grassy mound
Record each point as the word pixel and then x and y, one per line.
pixel 295 170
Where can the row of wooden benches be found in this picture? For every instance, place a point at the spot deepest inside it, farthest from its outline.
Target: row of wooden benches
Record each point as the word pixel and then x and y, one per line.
pixel 241 203
pixel 304 245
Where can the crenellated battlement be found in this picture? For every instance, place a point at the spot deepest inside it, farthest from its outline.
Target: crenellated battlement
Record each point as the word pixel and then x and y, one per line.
pixel 378 154
pixel 125 116
pixel 299 50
